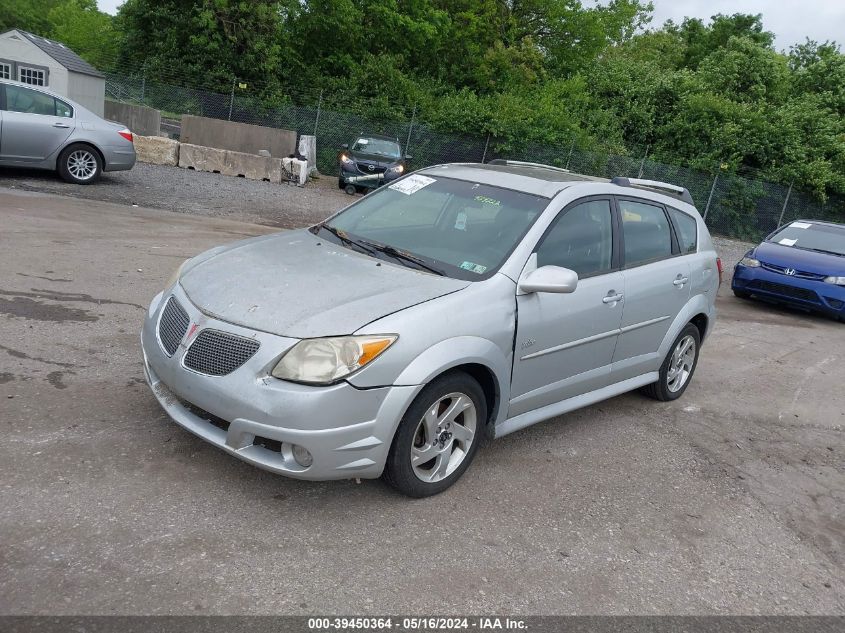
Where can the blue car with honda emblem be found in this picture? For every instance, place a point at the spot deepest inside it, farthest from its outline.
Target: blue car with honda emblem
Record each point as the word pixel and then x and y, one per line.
pixel 801 264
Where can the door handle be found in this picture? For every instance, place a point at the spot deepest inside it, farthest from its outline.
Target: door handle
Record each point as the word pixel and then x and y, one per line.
pixel 612 298
pixel 680 281
pixel 60 125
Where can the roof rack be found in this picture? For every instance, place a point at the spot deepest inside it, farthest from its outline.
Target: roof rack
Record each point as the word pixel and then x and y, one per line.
pixel 522 163
pixel 662 187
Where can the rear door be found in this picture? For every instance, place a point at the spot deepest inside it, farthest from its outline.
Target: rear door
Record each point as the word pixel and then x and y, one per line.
pixel 657 285
pixel 35 125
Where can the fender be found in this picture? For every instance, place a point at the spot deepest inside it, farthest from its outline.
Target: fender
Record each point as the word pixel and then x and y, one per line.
pixel 698 304
pixel 461 350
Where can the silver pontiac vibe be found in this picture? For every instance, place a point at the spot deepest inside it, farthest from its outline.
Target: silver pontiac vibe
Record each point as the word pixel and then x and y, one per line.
pixel 458 303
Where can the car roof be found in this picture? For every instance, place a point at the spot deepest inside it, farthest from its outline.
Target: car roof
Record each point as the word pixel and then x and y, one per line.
pixel 548 181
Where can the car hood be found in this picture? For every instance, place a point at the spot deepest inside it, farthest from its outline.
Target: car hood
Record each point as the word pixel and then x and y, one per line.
pixel 297 285
pixel 800 259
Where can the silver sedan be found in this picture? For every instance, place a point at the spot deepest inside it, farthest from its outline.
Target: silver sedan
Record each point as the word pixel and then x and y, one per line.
pixel 43 130
pixel 459 303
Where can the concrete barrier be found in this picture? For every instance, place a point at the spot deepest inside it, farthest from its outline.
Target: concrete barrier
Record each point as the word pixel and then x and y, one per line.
pixel 230 163
pixel 140 119
pixel 237 137
pixel 157 150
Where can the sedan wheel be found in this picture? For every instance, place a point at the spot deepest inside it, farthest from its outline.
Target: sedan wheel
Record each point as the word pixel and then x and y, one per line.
pixel 438 436
pixel 80 164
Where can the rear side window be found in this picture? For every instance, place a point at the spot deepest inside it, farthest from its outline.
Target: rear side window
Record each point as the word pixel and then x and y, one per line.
pixel 34 102
pixel 646 232
pixel 686 229
pixel 581 239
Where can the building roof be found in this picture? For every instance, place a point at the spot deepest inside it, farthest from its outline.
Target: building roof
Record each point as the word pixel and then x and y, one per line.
pixel 62 54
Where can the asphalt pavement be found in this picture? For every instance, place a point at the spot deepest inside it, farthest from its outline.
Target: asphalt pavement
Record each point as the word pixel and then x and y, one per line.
pixel 728 501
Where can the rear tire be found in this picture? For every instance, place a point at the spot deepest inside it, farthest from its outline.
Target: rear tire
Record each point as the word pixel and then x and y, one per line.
pixel 438 436
pixel 80 164
pixel 678 366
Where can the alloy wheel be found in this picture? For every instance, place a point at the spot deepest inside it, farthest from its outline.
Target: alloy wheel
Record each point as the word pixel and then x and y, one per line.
pixel 443 437
pixel 82 164
pixel 680 367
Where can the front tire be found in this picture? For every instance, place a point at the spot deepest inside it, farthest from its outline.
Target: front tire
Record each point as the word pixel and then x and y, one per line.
pixel 438 436
pixel 80 164
pixel 678 367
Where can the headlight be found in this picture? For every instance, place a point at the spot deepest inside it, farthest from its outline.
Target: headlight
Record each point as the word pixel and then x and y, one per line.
pixel 323 361
pixel 345 159
pixel 175 276
pixel 750 262
pixel 397 169
pixel 839 281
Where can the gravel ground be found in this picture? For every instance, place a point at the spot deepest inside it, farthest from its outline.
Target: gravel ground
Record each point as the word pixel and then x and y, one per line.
pixel 196 192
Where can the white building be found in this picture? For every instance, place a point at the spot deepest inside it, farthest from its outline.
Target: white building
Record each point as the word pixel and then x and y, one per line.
pixel 36 60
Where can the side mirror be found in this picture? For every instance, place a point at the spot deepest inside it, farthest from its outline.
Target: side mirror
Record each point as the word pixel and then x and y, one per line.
pixel 550 279
pixel 344 146
pixel 408 157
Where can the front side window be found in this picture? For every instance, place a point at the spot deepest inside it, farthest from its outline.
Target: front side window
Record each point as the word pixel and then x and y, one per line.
pixel 32 76
pixel 5 70
pixel 580 239
pixel 463 229
pixel 687 230
pixel 29 101
pixel 646 232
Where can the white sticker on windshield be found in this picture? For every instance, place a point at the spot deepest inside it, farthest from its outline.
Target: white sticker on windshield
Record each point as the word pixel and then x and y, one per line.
pixel 412 184
pixel 478 269
pixel 800 225
pixel 787 242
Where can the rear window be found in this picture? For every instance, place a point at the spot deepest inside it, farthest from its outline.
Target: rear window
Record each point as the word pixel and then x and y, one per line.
pixel 646 232
pixel 812 236
pixel 687 229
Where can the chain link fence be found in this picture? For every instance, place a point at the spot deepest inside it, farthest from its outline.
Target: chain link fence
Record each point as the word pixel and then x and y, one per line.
pixel 733 205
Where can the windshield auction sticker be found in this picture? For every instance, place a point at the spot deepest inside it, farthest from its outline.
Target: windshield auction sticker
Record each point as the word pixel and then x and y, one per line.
pixel 412 184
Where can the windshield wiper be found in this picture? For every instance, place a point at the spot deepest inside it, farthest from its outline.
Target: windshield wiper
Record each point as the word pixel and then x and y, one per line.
pixel 345 239
pixel 821 250
pixel 394 252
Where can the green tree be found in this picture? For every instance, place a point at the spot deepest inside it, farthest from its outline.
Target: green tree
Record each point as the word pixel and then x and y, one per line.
pixel 89 32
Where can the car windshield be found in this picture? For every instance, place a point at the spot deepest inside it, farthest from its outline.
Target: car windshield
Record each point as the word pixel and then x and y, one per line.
pixel 454 227
pixel 378 146
pixel 812 236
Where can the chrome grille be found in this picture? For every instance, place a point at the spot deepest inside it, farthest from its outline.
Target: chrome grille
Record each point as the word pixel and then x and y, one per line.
pixel 172 326
pixel 801 274
pixel 219 353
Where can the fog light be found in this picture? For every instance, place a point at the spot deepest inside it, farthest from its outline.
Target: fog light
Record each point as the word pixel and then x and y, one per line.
pixel 302 456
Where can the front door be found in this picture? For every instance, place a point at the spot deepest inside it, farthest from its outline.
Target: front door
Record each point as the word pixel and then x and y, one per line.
pixel 565 342
pixel 35 125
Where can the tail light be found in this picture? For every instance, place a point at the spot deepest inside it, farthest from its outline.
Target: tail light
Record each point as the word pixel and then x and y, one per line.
pixel 125 133
pixel 719 267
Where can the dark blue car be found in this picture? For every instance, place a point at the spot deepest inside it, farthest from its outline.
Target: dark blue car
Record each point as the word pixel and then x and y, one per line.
pixel 801 264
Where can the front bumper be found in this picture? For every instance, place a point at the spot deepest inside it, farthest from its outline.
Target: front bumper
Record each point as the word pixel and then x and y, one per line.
pixel 807 294
pixel 258 418
pixel 350 171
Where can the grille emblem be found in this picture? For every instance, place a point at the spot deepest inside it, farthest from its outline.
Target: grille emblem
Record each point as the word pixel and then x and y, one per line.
pixel 789 271
pixel 371 167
